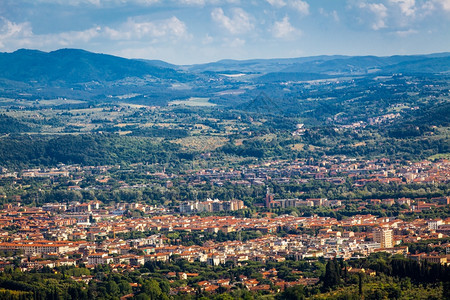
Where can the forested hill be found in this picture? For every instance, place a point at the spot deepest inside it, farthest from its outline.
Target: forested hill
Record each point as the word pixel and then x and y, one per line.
pixel 75 66
pixel 94 77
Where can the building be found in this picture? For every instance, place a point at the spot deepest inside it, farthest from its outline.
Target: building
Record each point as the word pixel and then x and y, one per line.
pixel 217 206
pixel 216 259
pixel 434 224
pixel 384 237
pixel 284 203
pixel 83 207
pixel 40 247
pixel 441 200
pixel 317 202
pixel 186 207
pixel 269 198
pixel 99 259
pixel 236 205
pixel 211 206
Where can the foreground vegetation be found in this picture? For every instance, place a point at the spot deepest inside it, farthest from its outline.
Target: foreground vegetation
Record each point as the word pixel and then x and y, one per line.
pixel 395 278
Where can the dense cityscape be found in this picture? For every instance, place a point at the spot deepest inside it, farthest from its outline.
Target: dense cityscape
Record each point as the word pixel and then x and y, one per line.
pixel 224 149
pixel 128 235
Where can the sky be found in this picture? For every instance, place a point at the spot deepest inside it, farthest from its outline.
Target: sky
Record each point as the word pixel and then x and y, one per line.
pixel 200 31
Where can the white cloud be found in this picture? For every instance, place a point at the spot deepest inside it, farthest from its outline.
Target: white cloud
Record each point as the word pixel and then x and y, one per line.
pixel 207 40
pixel 301 6
pixel 405 33
pixel 407 7
pixel 10 31
pixel 98 2
pixel 283 29
pixel 75 37
pixel 400 17
pixel 203 2
pixel 237 43
pixel 429 7
pixel 380 11
pixel 148 2
pixel 332 14
pixel 193 2
pixel 238 23
pixel 445 4
pixel 131 30
pixel 277 3
pixel 102 3
pixel 13 36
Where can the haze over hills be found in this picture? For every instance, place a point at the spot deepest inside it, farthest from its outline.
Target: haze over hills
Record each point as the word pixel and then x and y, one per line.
pixel 75 65
pixel 335 64
pixel 79 74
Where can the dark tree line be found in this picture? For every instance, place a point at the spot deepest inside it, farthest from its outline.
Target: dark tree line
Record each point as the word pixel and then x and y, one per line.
pixel 92 149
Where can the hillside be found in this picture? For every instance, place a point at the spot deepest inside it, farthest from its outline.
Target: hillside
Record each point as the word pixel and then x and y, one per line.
pixel 100 78
pixel 75 66
pixel 334 64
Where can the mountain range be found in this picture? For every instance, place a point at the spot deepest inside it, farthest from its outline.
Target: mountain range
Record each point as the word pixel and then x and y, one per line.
pixel 80 74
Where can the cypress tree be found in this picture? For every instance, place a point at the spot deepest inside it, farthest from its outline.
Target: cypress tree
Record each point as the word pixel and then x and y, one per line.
pixel 360 284
pixel 331 277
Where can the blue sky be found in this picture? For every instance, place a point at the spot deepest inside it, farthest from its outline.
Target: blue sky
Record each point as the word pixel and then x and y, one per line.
pixel 198 31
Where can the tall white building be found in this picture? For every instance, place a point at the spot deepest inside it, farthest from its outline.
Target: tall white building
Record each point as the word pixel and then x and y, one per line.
pixel 384 237
pixel 434 224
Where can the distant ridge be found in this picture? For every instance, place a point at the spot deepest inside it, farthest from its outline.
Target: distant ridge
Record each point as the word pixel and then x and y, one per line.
pixel 159 63
pixel 74 65
pixel 323 64
pixel 428 65
pixel 95 77
pixel 257 65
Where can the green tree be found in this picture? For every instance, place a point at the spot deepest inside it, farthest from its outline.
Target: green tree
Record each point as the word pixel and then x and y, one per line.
pixel 331 277
pixel 112 288
pixel 152 289
pixel 124 287
pixel 293 293
pixel 360 284
pixel 446 291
